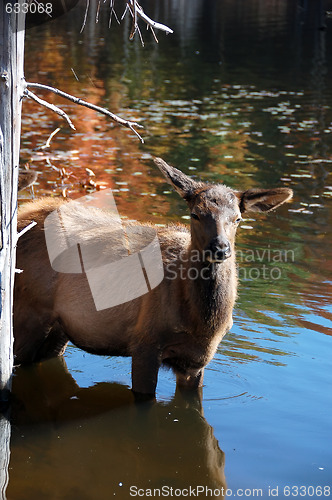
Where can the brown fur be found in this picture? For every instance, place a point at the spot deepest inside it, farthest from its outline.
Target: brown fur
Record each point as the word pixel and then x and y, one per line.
pixel 179 323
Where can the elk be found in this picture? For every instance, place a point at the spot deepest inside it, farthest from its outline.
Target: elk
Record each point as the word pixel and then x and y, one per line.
pixel 178 324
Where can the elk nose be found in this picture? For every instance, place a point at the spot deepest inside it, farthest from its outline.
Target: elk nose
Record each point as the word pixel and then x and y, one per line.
pixel 220 249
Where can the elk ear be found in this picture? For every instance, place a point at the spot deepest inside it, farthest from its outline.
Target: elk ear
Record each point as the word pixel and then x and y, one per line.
pixel 263 200
pixel 183 184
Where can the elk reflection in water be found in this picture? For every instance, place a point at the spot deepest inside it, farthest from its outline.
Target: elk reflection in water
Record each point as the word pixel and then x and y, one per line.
pixel 95 443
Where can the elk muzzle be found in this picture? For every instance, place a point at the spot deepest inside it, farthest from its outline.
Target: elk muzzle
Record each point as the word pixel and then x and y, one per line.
pixel 218 250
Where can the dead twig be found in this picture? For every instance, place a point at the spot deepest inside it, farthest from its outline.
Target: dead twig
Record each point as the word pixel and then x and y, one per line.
pixel 112 12
pixel 153 33
pixel 97 13
pixel 125 12
pixel 57 110
pixel 134 25
pixel 125 123
pixel 26 229
pixel 48 142
pixel 136 11
pixel 150 22
pixel 85 15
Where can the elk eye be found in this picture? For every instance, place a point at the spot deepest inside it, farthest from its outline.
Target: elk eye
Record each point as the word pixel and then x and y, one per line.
pixel 194 216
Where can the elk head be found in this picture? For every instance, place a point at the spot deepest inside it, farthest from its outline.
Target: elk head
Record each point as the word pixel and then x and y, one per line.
pixel 216 210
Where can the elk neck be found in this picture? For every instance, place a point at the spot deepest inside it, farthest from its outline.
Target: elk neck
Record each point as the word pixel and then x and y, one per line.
pixel 210 287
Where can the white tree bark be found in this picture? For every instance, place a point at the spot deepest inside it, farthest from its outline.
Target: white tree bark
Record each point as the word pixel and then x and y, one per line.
pixel 11 92
pixel 4 455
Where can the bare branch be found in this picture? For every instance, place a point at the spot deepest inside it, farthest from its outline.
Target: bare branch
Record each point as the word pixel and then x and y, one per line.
pixel 153 33
pixel 48 142
pixel 85 15
pixel 97 13
pixel 26 229
pixel 73 71
pixel 134 26
pixel 112 11
pixel 126 123
pixel 57 110
pixel 140 36
pixel 125 12
pixel 135 10
pixel 148 20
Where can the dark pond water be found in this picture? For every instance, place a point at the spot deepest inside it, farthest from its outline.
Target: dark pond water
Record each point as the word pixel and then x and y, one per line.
pixel 241 93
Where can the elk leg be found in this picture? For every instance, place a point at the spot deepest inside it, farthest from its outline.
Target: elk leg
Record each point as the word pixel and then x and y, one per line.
pixel 190 381
pixel 144 373
pixel 192 399
pixel 54 344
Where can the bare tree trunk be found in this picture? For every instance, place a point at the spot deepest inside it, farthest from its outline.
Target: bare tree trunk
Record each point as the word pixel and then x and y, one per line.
pixel 4 455
pixel 11 91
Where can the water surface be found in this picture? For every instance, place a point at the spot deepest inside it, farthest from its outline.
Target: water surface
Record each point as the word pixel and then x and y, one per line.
pixel 241 94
